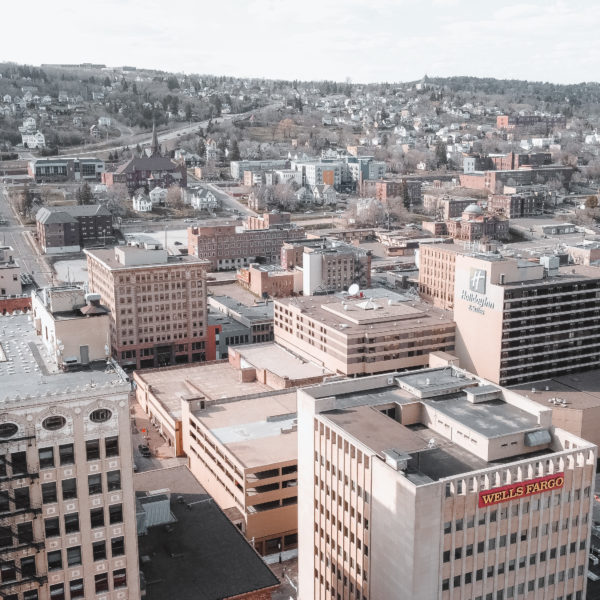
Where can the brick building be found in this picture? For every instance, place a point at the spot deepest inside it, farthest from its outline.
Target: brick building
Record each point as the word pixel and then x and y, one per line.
pixel 474 225
pixel 269 220
pixel 494 181
pixel 514 206
pixel 269 280
pixel 515 160
pixel 157 304
pixel 68 228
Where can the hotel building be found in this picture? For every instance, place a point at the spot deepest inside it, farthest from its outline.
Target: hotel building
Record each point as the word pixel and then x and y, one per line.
pixel 377 331
pixel 157 304
pixel 67 506
pixel 439 485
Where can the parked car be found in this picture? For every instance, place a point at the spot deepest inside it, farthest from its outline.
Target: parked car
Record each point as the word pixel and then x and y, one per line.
pixel 144 450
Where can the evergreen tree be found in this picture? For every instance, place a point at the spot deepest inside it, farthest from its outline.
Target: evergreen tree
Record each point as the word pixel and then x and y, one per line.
pixel 235 151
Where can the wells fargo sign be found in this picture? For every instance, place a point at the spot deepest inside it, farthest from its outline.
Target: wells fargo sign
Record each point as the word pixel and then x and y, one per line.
pixel 521 489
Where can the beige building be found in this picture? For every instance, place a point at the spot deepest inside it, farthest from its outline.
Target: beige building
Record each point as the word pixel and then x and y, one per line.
pixel 73 326
pixel 438 485
pixel 10 273
pixel 436 264
pixel 380 331
pixel 157 304
pixel 235 421
pixel 67 506
pixel 518 320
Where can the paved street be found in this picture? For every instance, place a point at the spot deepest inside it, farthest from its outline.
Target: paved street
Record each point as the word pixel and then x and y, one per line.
pixel 228 201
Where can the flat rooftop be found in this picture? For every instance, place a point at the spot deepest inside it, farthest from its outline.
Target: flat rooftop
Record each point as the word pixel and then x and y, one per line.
pixel 278 360
pixel 253 314
pixel 258 431
pixel 213 560
pixel 26 368
pixel 107 256
pixel 212 380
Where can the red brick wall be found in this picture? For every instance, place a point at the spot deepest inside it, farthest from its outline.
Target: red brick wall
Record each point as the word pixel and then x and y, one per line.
pixel 7 305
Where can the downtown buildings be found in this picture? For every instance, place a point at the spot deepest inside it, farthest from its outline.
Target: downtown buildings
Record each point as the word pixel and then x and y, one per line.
pixel 157 304
pixel 437 484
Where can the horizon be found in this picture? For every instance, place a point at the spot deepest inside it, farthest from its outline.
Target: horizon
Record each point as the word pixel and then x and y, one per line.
pixel 387 41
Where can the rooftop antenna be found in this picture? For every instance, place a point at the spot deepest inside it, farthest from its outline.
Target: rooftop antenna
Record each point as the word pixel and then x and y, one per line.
pixel 354 289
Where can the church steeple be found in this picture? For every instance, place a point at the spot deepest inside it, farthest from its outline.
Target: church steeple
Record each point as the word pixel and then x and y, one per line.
pixel 154 148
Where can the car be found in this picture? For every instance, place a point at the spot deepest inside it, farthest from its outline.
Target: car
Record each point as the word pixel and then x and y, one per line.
pixel 308 212
pixel 144 450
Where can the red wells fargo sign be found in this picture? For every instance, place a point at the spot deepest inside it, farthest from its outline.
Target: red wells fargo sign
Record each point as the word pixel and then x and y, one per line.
pixel 522 489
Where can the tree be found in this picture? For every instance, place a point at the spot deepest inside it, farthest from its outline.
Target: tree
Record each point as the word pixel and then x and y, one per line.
pixel 84 194
pixel 591 202
pixel 172 83
pixel 440 153
pixel 174 197
pixel 201 149
pixel 188 111
pixel 235 151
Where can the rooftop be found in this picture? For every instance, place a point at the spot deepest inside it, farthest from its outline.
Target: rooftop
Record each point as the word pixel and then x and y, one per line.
pixel 108 257
pixel 68 214
pixel 259 313
pixel 212 560
pixel 26 368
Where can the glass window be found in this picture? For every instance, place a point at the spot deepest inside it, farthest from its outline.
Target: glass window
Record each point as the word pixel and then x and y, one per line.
pixel 74 556
pixel 72 523
pixel 95 484
pixel 52 527
pixel 97 517
pixel 28 566
pixel 49 492
pixel 57 592
pixel 30 595
pixel 54 423
pixel 54 560
pixel 101 415
pixel 25 532
pixel 46 458
pixel 4 503
pixel 92 449
pixel 66 453
pixel 101 582
pixel 117 546
pixel 69 489
pixel 18 460
pixel 99 550
pixel 22 498
pixel 111 446
pixel 76 589
pixel 119 578
pixel 115 512
pixel 113 480
pixel 8 571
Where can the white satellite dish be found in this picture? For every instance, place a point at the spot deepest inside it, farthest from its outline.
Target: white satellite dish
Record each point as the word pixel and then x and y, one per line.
pixel 353 289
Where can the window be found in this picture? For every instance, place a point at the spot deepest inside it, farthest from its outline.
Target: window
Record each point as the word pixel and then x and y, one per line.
pixel 46 458
pixel 111 446
pixel 54 423
pixel 7 430
pixel 57 592
pixel 66 453
pixel 28 566
pixel 5 537
pixel 113 480
pixel 54 560
pixel 49 492
pixel 76 589
pixel 115 513
pixel 52 527
pixel 25 532
pixel 72 523
pixel 8 571
pixel 119 578
pixel 99 550
pixel 101 415
pixel 4 503
pixel 117 546
pixel 30 595
pixel 74 556
pixel 92 449
pixel 101 582
pixel 69 489
pixel 21 498
pixel 97 517
pixel 95 484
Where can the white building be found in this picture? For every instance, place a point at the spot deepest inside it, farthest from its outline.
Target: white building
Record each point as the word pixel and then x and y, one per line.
pixel 142 203
pixel 33 140
pixel 104 121
pixel 204 199
pixel 158 195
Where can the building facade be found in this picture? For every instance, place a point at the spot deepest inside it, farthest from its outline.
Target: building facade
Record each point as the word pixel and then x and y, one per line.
pixel 65 169
pixel 157 304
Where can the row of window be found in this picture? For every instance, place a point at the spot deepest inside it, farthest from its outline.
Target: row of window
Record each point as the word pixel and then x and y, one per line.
pixel 69 487
pixel 66 452
pixel 101 584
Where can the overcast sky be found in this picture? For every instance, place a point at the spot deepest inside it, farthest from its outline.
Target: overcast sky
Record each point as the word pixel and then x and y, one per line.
pixel 364 40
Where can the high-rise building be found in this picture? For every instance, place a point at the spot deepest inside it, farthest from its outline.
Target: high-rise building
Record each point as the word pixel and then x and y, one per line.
pixel 67 507
pixel 157 304
pixel 438 484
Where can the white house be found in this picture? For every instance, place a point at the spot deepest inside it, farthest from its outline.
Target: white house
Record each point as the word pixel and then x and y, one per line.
pixel 104 121
pixel 141 203
pixel 33 140
pixel 324 194
pixel 204 199
pixel 158 195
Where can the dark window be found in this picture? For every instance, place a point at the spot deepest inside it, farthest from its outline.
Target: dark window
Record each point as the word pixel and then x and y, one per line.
pixel 101 415
pixel 30 595
pixel 119 578
pixel 28 566
pixel 25 532
pixel 7 430
pixel 92 449
pixel 74 556
pixel 52 527
pixel 4 503
pixel 46 458
pixel 113 480
pixel 111 446
pixel 97 517
pixel 18 461
pixel 69 489
pixel 76 589
pixel 8 571
pixel 54 560
pixel 54 423
pixel 94 484
pixel 101 582
pixel 117 546
pixel 99 550
pixel 115 513
pixel 66 453
pixel 21 498
pixel 5 537
pixel 57 592
pixel 49 492
pixel 72 523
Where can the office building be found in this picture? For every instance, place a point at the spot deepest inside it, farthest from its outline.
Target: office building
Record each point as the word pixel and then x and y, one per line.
pixel 258 318
pixel 376 331
pixel 270 281
pixel 65 169
pixel 436 264
pixel 227 246
pixel 438 484
pixel 157 304
pixel 67 508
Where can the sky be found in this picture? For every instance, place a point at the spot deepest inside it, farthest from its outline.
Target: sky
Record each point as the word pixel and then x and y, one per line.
pixel 360 40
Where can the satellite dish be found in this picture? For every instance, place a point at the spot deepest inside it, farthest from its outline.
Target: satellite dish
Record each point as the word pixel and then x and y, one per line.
pixel 353 289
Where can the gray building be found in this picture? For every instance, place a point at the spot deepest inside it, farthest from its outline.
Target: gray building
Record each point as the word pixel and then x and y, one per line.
pixel 258 318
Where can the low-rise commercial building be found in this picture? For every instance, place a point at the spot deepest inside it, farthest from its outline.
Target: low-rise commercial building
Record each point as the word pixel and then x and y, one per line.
pixel 157 304
pixel 258 318
pixel 65 169
pixel 436 484
pixel 10 273
pixel 270 281
pixel 376 332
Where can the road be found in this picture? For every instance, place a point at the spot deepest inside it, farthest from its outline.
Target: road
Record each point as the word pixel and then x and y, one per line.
pixel 230 202
pixel 19 237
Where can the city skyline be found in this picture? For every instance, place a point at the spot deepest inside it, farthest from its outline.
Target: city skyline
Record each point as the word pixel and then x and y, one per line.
pixel 356 40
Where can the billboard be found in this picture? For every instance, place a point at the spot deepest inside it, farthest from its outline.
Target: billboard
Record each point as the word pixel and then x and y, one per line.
pixel 522 489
